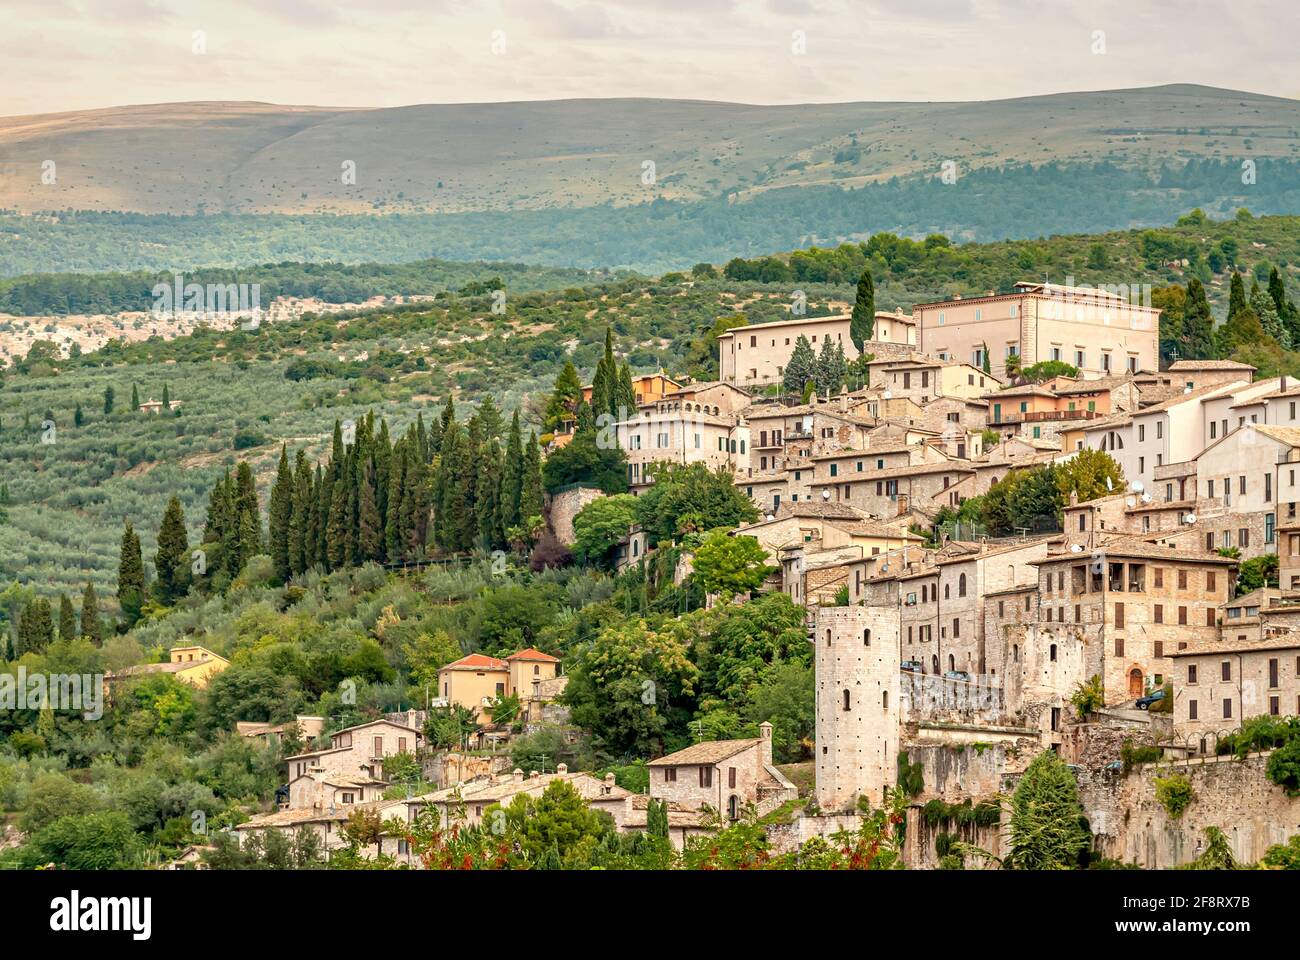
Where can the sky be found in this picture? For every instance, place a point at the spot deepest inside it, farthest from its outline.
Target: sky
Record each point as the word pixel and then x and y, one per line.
pixel 58 55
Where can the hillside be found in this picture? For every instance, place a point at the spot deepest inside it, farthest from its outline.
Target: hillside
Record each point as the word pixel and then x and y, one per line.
pixel 69 499
pixel 207 184
pixel 447 158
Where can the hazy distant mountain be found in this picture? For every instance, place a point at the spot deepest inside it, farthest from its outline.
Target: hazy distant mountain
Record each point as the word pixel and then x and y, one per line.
pixel 254 157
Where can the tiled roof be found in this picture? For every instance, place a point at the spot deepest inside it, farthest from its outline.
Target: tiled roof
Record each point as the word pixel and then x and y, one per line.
pixel 477 661
pixel 1179 366
pixel 531 653
pixel 710 751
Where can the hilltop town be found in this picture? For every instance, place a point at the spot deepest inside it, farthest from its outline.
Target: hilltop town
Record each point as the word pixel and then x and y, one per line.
pixel 884 576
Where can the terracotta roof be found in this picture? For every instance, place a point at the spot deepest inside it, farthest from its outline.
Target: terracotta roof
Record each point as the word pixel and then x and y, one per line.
pixel 531 653
pixel 1287 435
pixel 912 470
pixel 1136 547
pixel 290 818
pixel 710 751
pixel 477 661
pixel 1178 366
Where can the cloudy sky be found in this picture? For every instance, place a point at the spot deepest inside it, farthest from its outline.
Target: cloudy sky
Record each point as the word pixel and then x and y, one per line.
pixel 75 54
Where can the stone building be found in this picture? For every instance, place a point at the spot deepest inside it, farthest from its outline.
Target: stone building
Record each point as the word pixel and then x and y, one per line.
pixel 1099 331
pixel 725 775
pixel 357 752
pixel 757 354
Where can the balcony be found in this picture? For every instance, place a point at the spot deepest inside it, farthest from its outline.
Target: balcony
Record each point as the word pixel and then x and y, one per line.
pixel 1044 416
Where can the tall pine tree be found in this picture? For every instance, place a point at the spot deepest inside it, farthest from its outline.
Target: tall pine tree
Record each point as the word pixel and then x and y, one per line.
pixel 130 577
pixel 171 562
pixel 863 320
pixel 280 516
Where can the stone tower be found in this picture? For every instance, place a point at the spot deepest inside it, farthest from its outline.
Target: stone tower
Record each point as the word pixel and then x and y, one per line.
pixel 858 704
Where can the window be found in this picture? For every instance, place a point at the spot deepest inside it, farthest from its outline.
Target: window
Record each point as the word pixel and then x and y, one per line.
pixel 1227 709
pixel 1119 614
pixel 731 777
pixel 1182 616
pixel 846 700
pixel 1273 673
pixel 1191 709
pixel 1225 671
pixel 1052 653
pixel 670 774
pixel 1191 673
pixel 961 585
pixel 1209 581
pixel 706 776
pixel 1159 613
pixel 1119 646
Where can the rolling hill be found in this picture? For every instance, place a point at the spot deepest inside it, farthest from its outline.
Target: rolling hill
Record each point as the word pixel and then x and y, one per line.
pixel 449 158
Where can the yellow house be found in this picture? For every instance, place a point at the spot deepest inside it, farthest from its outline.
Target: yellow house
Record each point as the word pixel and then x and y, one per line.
pixel 195 665
pixel 476 680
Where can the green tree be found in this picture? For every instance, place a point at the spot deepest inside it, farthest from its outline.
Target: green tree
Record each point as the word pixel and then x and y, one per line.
pixel 1198 325
pixel 1089 474
pixel 92 628
pixel 728 565
pixel 863 319
pixel 280 514
pixel 601 525
pixel 67 619
pixel 691 498
pixel 130 577
pixel 565 397
pixel 801 368
pixel 108 400
pixel 1046 825
pixel 171 562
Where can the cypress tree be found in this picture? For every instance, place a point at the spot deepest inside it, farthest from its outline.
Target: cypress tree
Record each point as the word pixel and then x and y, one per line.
pixel 489 417
pixel 171 562
pixel 92 628
pixel 370 529
pixel 249 515
pixel 320 518
pixel 1286 310
pixel 108 400
pixel 36 627
pixel 67 619
pixel 1198 324
pixel 167 399
pixel 135 398
pixel 78 418
pixel 801 368
pixel 300 510
pixel 487 504
pixel 863 319
pixel 625 404
pixel 1264 307
pixel 130 577
pixel 336 551
pixel 280 515
pixel 512 475
pixel 530 495
pixel 826 369
pixel 393 541
pixel 1236 296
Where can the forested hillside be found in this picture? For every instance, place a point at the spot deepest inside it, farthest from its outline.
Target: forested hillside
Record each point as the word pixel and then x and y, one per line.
pixel 1016 201
pixel 246 392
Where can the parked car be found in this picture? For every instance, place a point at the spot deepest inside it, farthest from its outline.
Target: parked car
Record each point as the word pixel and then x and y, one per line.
pixel 1144 703
pixel 912 666
pixel 956 675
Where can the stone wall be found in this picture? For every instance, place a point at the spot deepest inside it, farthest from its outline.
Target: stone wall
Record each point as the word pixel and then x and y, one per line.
pixel 1236 796
pixel 566 505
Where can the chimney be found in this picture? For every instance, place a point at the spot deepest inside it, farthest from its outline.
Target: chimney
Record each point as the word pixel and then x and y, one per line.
pixel 518 775
pixel 534 775
pixel 609 783
pixel 562 769
pixel 765 734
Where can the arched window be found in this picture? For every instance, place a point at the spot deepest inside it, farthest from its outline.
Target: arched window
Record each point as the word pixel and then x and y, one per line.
pixel 866 638
pixel 1015 653
pixel 961 585
pixel 952 663
pixel 733 807
pixel 1051 653
pixel 947 590
pixel 846 699
pixel 934 662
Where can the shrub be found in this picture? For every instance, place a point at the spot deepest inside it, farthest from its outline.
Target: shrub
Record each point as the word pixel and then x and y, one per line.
pixel 1174 793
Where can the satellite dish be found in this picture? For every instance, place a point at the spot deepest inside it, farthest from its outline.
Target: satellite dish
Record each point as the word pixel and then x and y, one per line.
pixel 1146 498
pixel 1138 486
pixel 1130 502
pixel 1190 518
pixel 826 494
pixel 1109 485
pixel 1076 548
